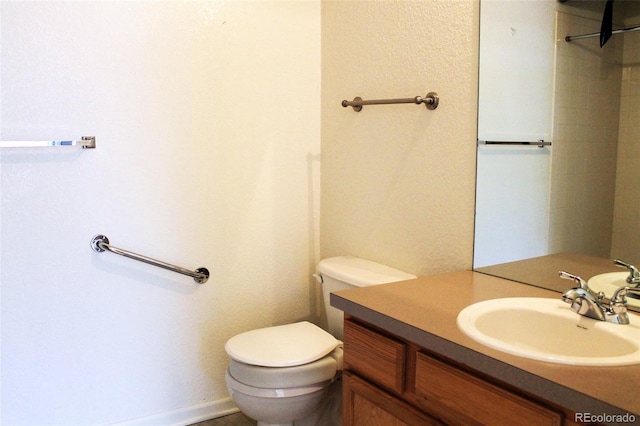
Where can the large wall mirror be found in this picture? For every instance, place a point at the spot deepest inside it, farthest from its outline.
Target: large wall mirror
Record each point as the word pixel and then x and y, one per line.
pixel 558 183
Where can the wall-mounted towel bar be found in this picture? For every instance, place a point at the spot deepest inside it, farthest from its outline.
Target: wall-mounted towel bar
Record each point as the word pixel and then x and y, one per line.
pixel 85 142
pixel 431 101
pixel 100 243
pixel 591 35
pixel 540 144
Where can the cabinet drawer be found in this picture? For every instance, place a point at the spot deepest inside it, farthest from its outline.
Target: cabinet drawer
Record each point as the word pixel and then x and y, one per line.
pixel 443 389
pixel 374 356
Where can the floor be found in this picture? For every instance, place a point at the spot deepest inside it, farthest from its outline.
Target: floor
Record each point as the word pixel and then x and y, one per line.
pixel 237 419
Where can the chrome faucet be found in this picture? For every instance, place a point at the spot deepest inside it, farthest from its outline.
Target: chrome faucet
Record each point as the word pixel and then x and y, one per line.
pixel 585 302
pixel 618 304
pixel 634 274
pixel 582 299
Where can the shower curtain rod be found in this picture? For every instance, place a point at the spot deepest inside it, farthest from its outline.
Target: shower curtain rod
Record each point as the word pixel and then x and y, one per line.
pixel 621 30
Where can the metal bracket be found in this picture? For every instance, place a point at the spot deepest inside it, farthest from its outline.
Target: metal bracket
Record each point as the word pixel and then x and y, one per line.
pixel 88 142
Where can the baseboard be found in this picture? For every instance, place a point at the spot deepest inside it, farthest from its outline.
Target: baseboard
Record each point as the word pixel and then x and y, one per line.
pixel 186 415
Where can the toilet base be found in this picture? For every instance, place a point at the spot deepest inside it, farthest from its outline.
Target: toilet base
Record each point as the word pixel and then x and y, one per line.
pixel 278 411
pixel 328 413
pixel 321 407
pixel 330 410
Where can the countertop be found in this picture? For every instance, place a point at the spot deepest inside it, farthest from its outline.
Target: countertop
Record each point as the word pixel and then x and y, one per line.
pixel 424 311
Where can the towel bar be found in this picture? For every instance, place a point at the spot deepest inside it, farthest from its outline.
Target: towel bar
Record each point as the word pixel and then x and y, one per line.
pixel 431 101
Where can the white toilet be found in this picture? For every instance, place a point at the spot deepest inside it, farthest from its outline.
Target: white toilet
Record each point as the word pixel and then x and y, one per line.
pixel 283 374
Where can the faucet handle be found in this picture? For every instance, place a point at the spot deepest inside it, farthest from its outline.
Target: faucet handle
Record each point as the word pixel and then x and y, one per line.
pixel 617 311
pixel 621 294
pixel 634 274
pixel 578 280
pixel 581 284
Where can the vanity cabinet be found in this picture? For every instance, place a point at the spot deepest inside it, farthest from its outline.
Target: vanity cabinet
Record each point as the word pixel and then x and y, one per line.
pixel 388 381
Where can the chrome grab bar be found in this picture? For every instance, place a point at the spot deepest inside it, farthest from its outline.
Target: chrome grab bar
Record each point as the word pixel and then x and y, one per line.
pixel 86 142
pixel 100 243
pixel 431 101
pixel 541 143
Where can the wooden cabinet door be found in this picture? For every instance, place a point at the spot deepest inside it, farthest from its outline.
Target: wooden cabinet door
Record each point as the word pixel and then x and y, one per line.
pixel 367 405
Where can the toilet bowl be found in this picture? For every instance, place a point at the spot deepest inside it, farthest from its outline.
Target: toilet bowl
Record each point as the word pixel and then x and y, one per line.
pixel 289 374
pixel 279 375
pixel 281 410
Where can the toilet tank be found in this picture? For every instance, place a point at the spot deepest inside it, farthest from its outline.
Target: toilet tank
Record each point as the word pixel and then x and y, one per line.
pixel 345 272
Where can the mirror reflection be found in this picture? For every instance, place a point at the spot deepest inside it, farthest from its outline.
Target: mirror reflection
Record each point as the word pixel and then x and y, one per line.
pixel 573 203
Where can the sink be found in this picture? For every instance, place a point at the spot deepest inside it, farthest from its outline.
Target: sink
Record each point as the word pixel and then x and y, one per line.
pixel 548 330
pixel 609 283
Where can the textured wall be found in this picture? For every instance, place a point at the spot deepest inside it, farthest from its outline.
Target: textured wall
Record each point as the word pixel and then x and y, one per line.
pixel 398 181
pixel 585 139
pixel 594 130
pixel 208 130
pixel 626 224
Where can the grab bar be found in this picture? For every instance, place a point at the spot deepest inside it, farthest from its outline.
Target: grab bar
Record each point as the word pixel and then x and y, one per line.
pixel 85 142
pixel 431 101
pixel 100 243
pixel 540 144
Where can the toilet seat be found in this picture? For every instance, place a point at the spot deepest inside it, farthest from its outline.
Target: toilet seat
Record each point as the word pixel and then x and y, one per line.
pixel 282 346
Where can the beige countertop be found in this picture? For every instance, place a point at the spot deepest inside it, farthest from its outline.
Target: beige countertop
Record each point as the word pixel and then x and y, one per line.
pixel 424 311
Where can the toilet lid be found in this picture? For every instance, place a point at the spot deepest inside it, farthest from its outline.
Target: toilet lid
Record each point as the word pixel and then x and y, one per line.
pixel 281 346
pixel 360 272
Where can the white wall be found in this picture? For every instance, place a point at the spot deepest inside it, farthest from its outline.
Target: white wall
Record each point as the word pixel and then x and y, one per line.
pixel 512 204
pixel 398 181
pixel 207 122
pixel 517 41
pixel 516 49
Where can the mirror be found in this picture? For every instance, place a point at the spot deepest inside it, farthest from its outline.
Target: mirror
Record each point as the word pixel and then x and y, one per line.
pixel 575 204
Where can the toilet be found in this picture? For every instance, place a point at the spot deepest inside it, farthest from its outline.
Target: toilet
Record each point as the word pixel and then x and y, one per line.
pixel 289 374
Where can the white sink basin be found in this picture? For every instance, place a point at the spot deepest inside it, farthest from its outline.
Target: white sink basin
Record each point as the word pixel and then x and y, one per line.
pixel 548 330
pixel 609 283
